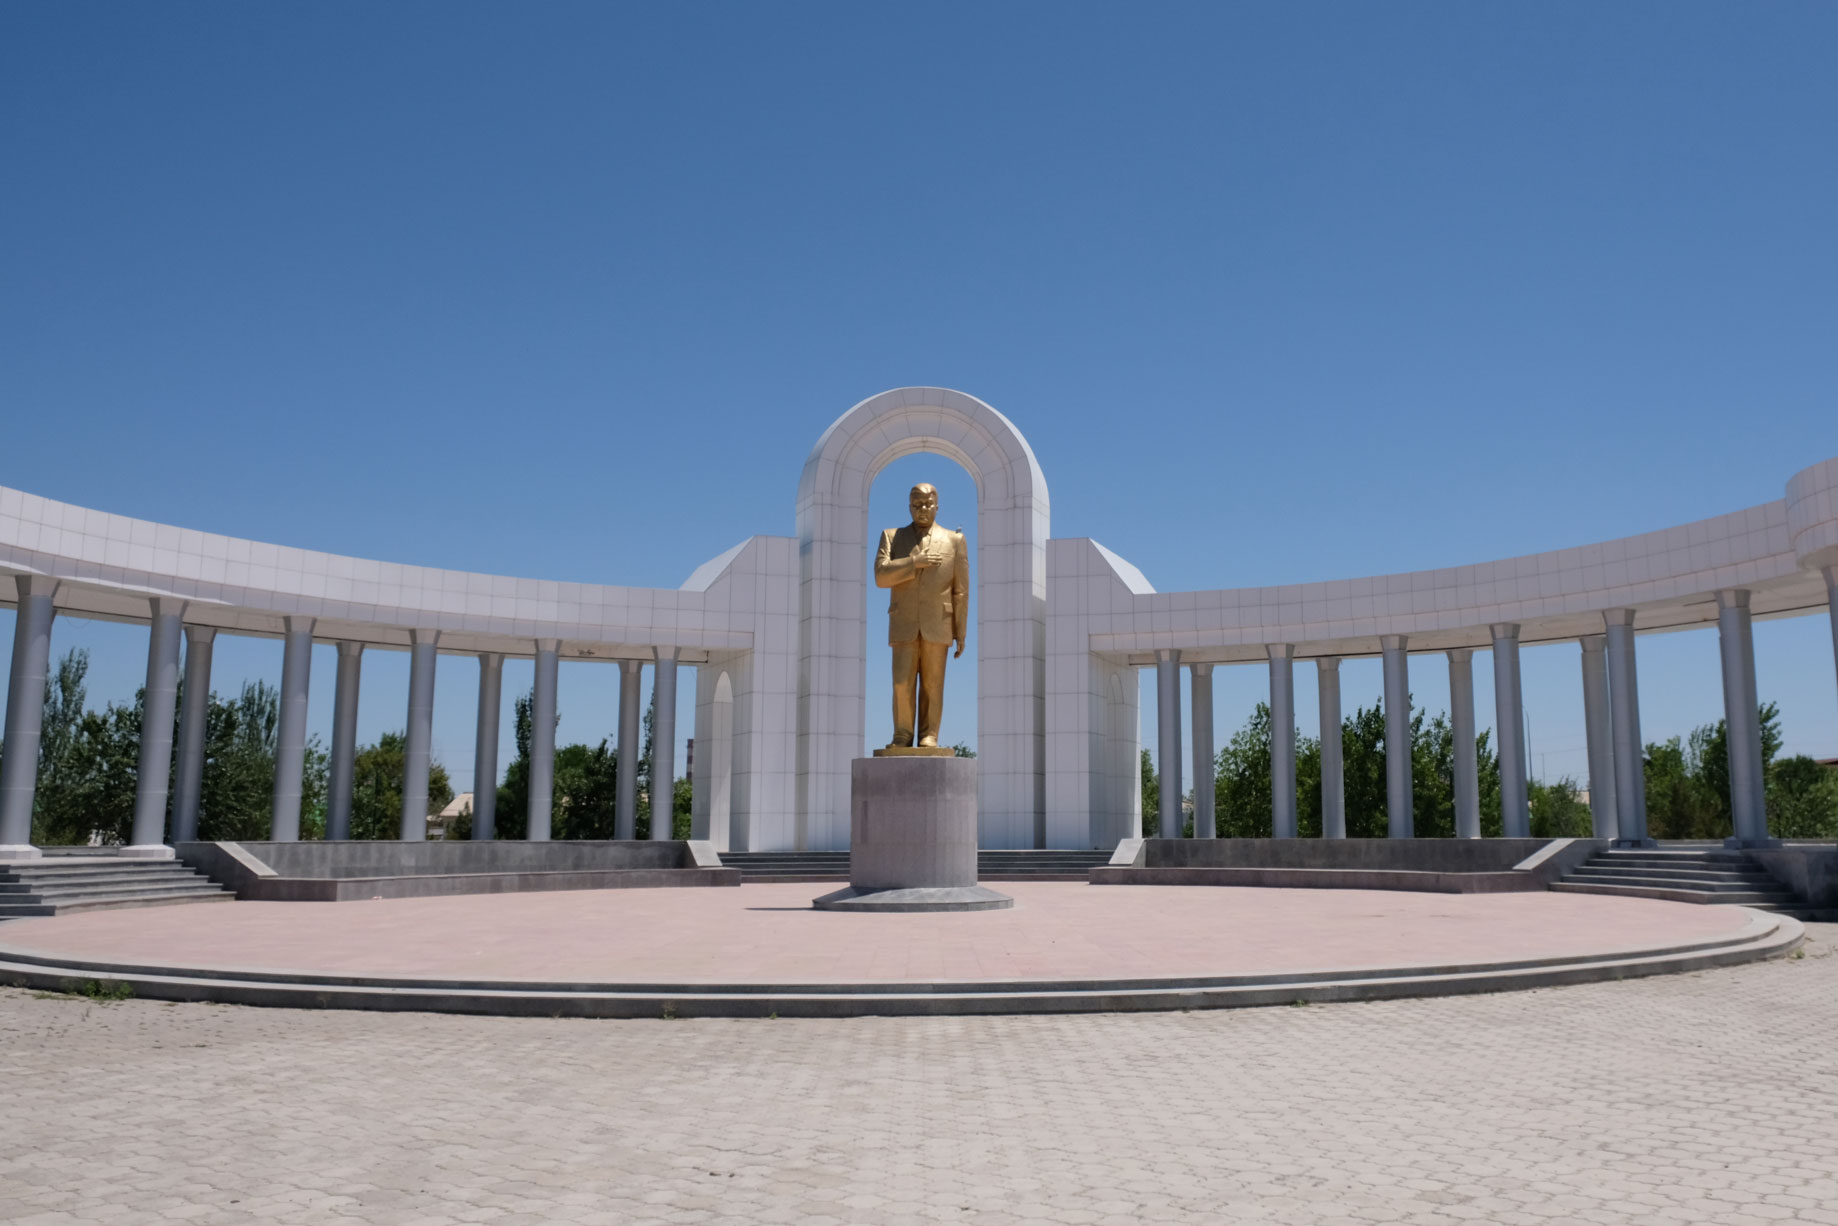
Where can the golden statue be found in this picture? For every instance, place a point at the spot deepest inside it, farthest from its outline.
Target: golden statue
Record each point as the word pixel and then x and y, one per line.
pixel 927 571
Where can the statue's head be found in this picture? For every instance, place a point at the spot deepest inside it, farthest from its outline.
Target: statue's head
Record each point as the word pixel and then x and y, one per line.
pixel 923 502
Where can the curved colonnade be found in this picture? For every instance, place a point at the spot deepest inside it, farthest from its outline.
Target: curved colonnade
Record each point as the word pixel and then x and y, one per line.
pixel 777 627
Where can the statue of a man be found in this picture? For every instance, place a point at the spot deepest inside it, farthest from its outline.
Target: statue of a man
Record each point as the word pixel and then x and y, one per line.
pixel 927 571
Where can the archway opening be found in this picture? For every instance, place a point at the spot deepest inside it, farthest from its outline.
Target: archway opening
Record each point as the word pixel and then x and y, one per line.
pixel 887 508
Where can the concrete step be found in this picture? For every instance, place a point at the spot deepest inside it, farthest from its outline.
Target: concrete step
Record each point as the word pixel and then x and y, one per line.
pixel 119 869
pixel 1780 898
pixel 1756 878
pixel 1706 858
pixel 1683 883
pixel 110 889
pixel 109 902
pixel 68 880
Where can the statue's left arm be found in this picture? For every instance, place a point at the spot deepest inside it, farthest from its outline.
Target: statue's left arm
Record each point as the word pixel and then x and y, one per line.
pixel 960 592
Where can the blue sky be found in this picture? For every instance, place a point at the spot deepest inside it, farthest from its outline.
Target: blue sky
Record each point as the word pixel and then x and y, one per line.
pixel 1277 293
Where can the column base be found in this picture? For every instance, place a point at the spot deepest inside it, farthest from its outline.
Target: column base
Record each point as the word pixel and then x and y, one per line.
pixel 1736 844
pixel 944 898
pixel 146 851
pixel 14 852
pixel 1639 843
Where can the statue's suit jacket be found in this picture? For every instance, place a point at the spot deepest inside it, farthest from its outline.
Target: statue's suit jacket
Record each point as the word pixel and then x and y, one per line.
pixel 931 605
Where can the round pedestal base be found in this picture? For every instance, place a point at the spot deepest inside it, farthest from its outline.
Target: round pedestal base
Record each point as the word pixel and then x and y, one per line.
pixel 933 898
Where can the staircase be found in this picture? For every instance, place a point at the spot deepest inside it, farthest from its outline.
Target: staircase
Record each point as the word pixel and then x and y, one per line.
pixel 1680 874
pixel 818 866
pixel 63 883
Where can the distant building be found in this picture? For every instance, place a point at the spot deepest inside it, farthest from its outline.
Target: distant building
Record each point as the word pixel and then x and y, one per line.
pixel 440 823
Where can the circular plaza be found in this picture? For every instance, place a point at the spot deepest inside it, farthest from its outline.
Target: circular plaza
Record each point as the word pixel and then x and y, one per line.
pixel 761 950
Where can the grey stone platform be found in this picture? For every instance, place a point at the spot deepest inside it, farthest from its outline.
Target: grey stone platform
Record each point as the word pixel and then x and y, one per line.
pixel 912 837
pixel 320 871
pixel 925 898
pixel 1764 936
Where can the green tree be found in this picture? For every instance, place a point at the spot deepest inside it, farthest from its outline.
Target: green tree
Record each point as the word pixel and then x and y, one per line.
pixel 89 765
pixel 1242 784
pixel 1151 794
pixel 1802 800
pixel 1558 812
pixel 513 814
pixel 586 791
pixel 1241 780
pixel 237 801
pixel 376 788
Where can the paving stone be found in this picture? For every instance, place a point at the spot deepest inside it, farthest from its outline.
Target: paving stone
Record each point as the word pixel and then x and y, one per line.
pixel 1695 1098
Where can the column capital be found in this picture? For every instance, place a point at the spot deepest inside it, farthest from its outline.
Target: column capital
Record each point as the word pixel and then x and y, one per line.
pixel 1394 642
pixel 491 659
pixel 166 606
pixel 1593 642
pixel 552 646
pixel 631 666
pixel 1618 617
pixel 666 655
pixel 1461 655
pixel 1504 630
pixel 1280 651
pixel 200 636
pixel 349 647
pixel 1168 655
pixel 1831 576
pixel 296 624
pixel 1200 670
pixel 1327 664
pixel 424 638
pixel 36 585
pixel 1733 598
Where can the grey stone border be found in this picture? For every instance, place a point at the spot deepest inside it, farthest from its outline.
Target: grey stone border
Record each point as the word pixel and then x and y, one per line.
pixel 1764 936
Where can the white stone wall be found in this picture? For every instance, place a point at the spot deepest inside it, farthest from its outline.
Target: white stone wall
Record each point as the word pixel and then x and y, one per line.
pixel 1059 627
pixel 1008 607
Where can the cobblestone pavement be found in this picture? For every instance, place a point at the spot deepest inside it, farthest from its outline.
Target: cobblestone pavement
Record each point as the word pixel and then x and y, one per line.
pixel 1699 1098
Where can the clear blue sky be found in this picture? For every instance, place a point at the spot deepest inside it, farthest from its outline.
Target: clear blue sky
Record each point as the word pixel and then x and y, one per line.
pixel 1277 293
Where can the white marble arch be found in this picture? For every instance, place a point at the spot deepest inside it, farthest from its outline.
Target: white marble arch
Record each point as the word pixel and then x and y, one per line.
pixel 1008 609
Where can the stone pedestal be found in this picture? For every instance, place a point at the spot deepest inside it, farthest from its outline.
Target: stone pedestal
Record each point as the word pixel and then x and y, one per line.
pixel 912 837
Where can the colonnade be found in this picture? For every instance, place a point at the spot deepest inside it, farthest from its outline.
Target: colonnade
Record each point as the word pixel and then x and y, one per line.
pixel 165 715
pixel 1611 707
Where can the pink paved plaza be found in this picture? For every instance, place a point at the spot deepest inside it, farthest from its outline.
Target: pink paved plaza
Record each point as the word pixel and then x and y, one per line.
pixel 768 934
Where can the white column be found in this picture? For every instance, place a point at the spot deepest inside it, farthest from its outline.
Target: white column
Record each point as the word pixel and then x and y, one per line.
pixel 343 772
pixel 1599 732
pixel 1742 721
pixel 542 740
pixel 1509 729
pixel 1168 727
pixel 418 740
pixel 1624 717
pixel 1461 731
pixel 625 784
pixel 153 774
pixel 194 723
pixel 1831 607
pixel 1333 775
pixel 25 715
pixel 663 744
pixel 1205 826
pixel 485 746
pixel 1399 805
pixel 290 734
pixel 1282 740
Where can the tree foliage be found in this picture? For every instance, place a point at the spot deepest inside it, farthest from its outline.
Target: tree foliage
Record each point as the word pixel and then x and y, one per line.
pixel 376 788
pixel 586 788
pixel 1688 786
pixel 89 765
